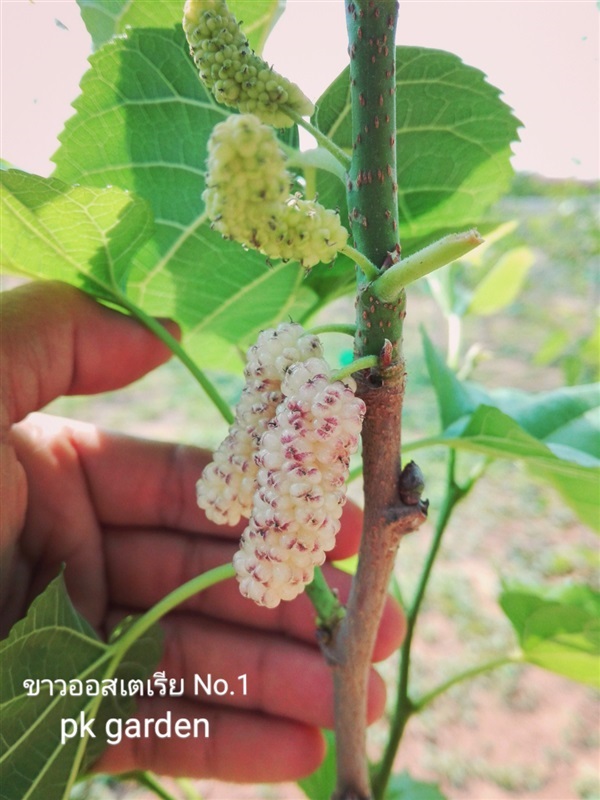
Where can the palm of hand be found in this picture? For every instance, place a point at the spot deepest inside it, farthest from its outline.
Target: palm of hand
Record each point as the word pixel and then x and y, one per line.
pixel 121 514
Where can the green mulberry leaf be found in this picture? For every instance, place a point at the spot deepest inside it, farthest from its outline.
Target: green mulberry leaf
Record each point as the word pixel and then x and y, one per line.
pixel 107 18
pixel 555 434
pixel 142 123
pixel 558 629
pixel 453 142
pixel 55 644
pixel 404 787
pixel 322 782
pixel 79 234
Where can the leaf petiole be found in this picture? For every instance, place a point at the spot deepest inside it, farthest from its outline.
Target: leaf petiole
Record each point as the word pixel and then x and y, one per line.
pixel 321 138
pixel 176 348
pixel 366 362
pixel 139 627
pixel 367 267
pixel 168 603
pixel 149 781
pixel 420 703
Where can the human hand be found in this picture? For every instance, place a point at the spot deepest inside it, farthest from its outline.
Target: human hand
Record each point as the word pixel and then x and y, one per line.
pixel 121 514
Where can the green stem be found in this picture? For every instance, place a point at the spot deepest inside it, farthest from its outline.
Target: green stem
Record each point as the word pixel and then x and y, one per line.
pixel 151 782
pixel 405 707
pixel 321 138
pixel 188 789
pixel 365 362
pixel 419 704
pixel 333 327
pixel 135 631
pixel 390 284
pixel 171 601
pixel 432 441
pixel 372 185
pixel 326 603
pixel 454 340
pixel 177 350
pixel 367 267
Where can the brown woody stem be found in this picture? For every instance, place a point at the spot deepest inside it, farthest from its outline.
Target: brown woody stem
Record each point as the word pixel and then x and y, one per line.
pixel 387 519
pixel 373 215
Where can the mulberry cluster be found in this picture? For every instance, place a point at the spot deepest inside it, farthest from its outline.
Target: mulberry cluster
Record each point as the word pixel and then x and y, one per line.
pixel 231 69
pixel 303 464
pixel 284 464
pixel 248 197
pixel 227 485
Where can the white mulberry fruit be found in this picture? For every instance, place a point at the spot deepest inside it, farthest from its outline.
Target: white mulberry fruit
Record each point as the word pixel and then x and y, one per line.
pixel 228 483
pixel 308 233
pixel 234 73
pixel 248 199
pixel 247 183
pixel 303 464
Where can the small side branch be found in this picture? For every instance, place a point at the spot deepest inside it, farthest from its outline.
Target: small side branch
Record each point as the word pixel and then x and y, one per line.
pixel 404 707
pixel 480 669
pixel 389 285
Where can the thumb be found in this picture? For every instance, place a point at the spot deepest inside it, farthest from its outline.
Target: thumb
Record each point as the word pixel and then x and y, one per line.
pixel 55 340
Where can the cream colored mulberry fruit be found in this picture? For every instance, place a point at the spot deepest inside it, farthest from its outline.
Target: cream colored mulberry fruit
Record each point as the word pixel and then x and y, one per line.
pixel 247 182
pixel 310 233
pixel 303 464
pixel 228 483
pixel 232 71
pixel 247 197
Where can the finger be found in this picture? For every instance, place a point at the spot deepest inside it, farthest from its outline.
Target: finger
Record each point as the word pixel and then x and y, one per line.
pixel 79 476
pixel 143 567
pixel 137 482
pixel 240 746
pixel 348 539
pixel 56 340
pixel 225 664
pixel 140 482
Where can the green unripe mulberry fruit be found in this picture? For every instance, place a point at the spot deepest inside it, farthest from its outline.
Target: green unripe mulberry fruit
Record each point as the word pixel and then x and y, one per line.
pixel 310 233
pixel 231 69
pixel 248 197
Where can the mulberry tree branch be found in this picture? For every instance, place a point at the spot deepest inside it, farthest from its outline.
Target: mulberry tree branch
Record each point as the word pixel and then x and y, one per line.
pixel 372 187
pixel 373 216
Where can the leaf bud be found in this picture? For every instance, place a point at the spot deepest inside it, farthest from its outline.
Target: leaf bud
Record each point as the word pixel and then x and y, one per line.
pixel 411 484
